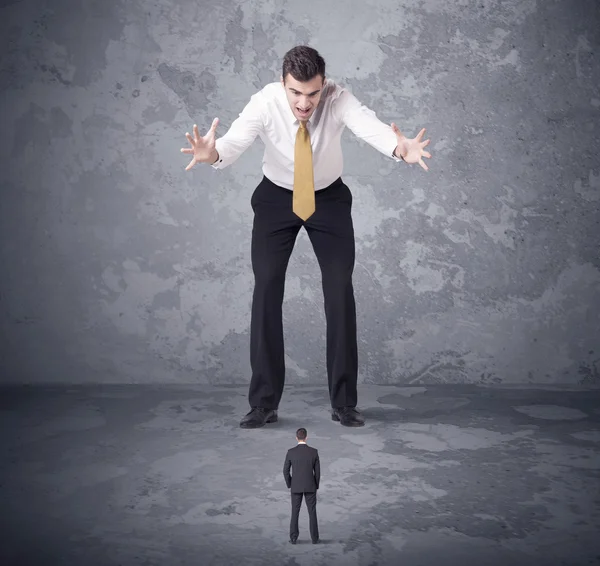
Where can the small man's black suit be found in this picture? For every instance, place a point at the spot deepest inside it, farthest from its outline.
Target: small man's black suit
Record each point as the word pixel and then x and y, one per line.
pixel 304 479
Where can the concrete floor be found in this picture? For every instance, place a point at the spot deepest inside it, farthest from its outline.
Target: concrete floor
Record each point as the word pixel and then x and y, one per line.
pixel 445 475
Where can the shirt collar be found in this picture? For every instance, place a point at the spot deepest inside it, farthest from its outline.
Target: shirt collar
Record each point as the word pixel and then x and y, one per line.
pixel 301 442
pixel 309 121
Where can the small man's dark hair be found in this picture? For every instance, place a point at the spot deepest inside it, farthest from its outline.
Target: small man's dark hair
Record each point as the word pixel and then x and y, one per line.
pixel 301 434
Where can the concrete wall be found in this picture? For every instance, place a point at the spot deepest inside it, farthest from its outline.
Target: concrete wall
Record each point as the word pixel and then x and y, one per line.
pixel 118 266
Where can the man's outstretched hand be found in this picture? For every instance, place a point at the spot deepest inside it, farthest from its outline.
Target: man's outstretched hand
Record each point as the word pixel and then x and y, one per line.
pixel 411 150
pixel 203 148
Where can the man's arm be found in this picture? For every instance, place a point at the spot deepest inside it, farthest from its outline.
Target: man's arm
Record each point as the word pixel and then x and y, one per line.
pixel 241 134
pixel 286 470
pixel 317 470
pixel 363 123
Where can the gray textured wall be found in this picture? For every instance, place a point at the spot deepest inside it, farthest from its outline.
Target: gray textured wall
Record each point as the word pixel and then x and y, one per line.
pixel 116 265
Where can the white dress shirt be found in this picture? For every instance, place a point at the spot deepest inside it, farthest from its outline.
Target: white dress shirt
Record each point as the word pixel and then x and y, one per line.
pixel 268 115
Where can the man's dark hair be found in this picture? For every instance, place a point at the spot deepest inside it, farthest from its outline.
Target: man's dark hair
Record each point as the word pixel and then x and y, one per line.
pixel 301 434
pixel 303 63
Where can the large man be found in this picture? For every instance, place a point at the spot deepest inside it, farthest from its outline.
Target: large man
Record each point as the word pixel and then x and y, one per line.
pixel 301 120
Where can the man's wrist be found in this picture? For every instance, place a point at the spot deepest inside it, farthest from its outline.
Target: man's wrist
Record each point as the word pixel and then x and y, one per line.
pixel 214 157
pixel 397 154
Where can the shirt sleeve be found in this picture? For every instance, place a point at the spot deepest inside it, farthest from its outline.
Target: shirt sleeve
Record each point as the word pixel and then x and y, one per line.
pixel 363 123
pixel 242 133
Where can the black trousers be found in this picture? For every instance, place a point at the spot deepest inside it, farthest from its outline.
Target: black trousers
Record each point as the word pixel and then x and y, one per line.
pixel 311 506
pixel 274 233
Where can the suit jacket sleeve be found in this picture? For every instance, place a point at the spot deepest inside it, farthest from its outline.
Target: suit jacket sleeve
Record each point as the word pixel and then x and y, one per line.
pixel 317 470
pixel 286 470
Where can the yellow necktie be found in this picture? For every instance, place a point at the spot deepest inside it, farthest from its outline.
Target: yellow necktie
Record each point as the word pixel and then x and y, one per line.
pixel 304 183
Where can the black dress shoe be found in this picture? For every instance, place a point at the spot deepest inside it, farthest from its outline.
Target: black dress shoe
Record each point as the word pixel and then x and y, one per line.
pixel 293 540
pixel 258 416
pixel 316 541
pixel 348 416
